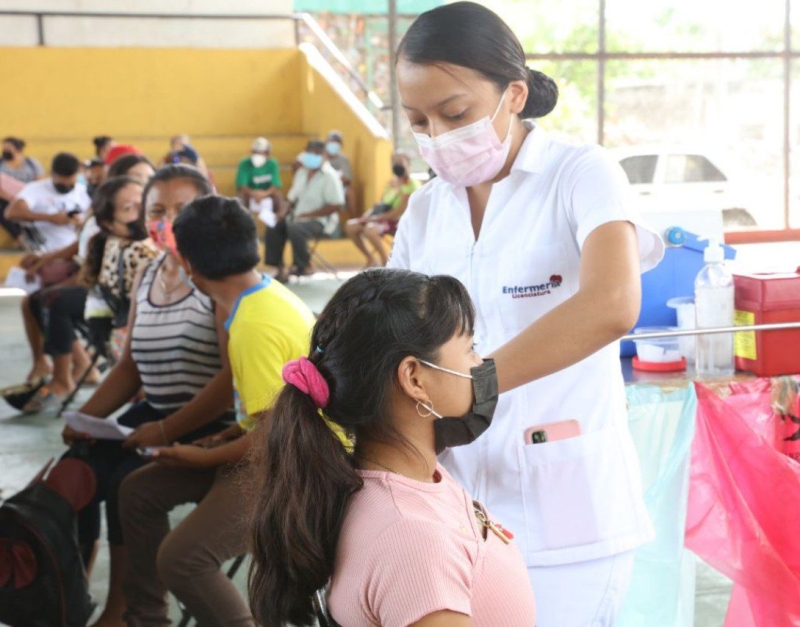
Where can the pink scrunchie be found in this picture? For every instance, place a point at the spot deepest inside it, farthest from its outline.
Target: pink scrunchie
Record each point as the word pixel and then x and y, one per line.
pixel 305 376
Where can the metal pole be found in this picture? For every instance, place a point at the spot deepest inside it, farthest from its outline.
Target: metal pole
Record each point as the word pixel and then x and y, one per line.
pixel 778 326
pixel 787 90
pixel 392 74
pixel 601 72
pixel 40 28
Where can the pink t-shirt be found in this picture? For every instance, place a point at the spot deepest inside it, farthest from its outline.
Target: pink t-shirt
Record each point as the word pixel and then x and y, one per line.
pixel 408 549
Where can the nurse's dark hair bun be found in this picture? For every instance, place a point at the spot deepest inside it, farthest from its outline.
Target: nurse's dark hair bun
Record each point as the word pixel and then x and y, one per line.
pixel 472 36
pixel 542 95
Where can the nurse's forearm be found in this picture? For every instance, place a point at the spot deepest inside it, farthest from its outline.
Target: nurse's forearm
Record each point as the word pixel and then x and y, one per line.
pixel 566 335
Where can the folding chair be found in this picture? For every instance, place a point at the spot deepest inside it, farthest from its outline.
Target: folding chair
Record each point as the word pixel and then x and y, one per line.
pixel 98 333
pixel 231 573
pixel 319 258
pixel 320 602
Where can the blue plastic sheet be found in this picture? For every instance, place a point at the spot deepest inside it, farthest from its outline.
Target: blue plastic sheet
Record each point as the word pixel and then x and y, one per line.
pixel 662 589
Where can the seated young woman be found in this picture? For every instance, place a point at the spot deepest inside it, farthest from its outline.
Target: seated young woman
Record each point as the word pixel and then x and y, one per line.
pixel 399 541
pixel 51 314
pixel 117 213
pixel 383 218
pixel 176 352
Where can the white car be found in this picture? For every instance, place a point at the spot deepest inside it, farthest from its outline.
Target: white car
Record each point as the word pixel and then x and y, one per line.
pixel 679 179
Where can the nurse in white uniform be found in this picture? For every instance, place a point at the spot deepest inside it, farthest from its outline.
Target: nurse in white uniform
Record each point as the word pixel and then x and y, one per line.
pixel 542 234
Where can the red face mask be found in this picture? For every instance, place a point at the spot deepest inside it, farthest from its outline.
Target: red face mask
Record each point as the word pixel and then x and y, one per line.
pixel 160 232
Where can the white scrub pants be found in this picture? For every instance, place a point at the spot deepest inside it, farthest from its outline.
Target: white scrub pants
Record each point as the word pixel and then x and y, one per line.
pixel 584 594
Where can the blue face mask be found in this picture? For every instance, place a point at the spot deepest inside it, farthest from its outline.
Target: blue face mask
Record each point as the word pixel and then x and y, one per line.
pixel 311 161
pixel 333 148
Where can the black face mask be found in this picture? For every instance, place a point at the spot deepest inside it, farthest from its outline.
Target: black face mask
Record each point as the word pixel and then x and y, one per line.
pixel 449 432
pixel 8 155
pixel 399 170
pixel 136 230
pixel 63 188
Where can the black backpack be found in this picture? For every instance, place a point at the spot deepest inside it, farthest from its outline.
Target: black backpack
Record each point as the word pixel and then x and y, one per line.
pixel 42 579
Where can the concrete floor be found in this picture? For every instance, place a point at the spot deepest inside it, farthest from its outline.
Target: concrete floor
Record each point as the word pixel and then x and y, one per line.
pixel 26 443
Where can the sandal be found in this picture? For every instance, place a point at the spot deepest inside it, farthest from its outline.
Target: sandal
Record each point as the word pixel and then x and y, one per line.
pixel 45 401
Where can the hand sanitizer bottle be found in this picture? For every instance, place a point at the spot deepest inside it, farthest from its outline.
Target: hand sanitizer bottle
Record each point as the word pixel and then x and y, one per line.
pixel 713 292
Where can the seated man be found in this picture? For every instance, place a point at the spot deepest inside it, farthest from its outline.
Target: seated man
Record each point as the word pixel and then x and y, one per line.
pixel 268 326
pixel 258 182
pixel 49 210
pixel 340 163
pixel 314 201
pixel 177 143
pixel 52 208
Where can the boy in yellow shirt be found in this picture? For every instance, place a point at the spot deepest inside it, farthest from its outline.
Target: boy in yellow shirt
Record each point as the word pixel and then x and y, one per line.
pixel 268 326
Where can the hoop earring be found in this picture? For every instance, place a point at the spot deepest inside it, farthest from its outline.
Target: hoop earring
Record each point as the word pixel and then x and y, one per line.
pixel 430 410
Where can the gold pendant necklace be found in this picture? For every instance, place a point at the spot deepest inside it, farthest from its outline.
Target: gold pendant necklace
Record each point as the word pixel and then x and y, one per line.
pixel 163 284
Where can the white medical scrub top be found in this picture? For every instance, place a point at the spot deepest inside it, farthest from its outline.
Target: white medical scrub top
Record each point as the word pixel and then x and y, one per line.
pixel 570 500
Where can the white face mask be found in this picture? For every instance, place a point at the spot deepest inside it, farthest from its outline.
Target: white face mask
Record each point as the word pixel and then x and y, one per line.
pixel 258 160
pixel 470 155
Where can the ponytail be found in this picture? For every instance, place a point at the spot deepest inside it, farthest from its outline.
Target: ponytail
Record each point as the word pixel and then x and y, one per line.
pixel 304 481
pixel 90 270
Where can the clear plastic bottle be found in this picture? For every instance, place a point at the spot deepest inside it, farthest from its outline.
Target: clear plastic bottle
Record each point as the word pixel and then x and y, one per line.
pixel 713 292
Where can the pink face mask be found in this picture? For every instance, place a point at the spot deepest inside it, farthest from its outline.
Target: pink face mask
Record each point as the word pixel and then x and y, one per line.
pixel 469 155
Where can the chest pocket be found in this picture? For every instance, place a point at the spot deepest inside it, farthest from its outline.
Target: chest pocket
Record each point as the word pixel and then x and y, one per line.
pixel 533 282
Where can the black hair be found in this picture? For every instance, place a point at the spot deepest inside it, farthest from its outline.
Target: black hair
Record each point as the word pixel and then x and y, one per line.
pixel 472 36
pixel 175 171
pixel 100 142
pixel 304 476
pixel 124 163
pixel 103 205
pixel 315 144
pixel 18 143
pixel 217 236
pixel 65 164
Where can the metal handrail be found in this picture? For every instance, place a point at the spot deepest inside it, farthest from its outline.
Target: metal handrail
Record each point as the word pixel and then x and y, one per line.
pixel 337 54
pixel 305 18
pixel 778 326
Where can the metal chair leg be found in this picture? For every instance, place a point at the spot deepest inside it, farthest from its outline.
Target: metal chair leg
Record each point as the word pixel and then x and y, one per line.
pixel 79 383
pixel 321 260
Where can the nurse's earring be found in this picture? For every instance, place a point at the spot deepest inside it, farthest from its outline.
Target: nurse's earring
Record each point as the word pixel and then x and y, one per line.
pixel 429 410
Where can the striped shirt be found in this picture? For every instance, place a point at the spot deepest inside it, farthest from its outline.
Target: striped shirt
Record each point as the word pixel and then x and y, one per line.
pixel 175 346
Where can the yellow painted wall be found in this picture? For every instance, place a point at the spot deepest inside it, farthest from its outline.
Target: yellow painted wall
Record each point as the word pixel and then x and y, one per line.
pixel 323 110
pixel 139 92
pixel 57 99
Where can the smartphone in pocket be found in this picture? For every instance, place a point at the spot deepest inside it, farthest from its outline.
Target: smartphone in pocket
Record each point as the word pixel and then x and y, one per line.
pixel 552 431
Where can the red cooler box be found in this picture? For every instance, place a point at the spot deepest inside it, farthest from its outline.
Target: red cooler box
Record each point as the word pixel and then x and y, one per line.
pixel 767 299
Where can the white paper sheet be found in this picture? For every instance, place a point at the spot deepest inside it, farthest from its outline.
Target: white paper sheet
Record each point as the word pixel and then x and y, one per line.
pixel 98 428
pixel 265 209
pixel 17 277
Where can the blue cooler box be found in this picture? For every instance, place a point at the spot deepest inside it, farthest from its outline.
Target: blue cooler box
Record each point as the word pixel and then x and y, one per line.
pixel 673 277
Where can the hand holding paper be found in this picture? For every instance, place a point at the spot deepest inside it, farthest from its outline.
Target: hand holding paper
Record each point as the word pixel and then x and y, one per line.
pixel 97 428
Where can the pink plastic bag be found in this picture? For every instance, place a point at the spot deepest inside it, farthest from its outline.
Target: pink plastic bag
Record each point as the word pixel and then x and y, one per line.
pixel 744 507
